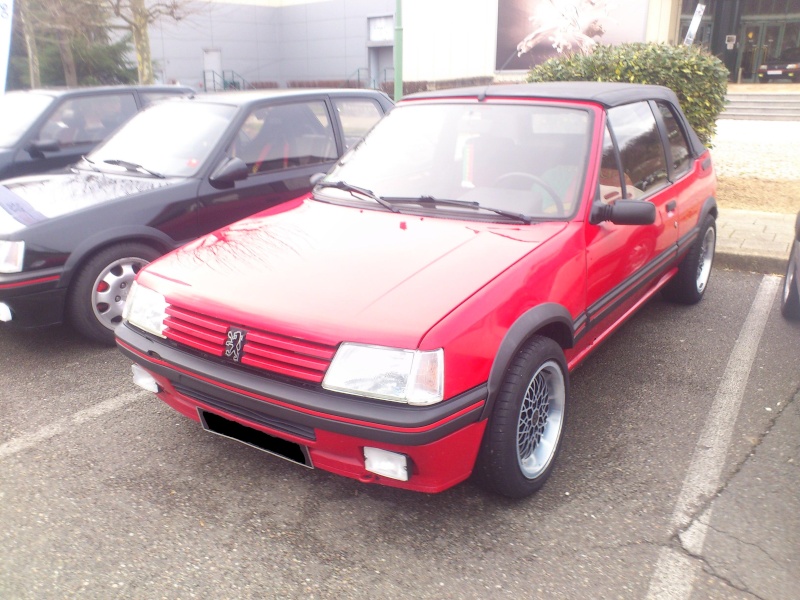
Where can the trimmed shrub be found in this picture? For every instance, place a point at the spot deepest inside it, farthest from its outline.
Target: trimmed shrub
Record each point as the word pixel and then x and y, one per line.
pixel 699 79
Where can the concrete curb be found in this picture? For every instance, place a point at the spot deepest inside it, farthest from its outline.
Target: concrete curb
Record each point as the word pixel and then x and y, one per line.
pixel 755 263
pixel 754 241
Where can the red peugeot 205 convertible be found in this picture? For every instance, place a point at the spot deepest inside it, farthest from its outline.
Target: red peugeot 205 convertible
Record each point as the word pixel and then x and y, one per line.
pixel 413 321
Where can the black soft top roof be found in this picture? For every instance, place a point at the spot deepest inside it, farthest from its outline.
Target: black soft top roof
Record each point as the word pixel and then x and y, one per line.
pixel 607 94
pixel 245 97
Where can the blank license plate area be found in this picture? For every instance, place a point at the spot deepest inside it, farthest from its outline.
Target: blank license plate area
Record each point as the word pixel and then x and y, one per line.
pixel 257 439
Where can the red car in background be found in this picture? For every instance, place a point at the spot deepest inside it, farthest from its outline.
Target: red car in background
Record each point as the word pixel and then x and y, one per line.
pixel 415 319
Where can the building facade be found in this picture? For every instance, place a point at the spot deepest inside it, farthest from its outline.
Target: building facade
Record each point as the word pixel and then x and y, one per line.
pixel 282 43
pixel 746 33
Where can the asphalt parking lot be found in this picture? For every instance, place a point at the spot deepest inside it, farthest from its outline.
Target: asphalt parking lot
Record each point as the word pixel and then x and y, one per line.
pixel 678 480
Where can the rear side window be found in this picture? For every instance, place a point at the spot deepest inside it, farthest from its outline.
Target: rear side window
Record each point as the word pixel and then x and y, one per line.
pixel 678 146
pixel 357 116
pixel 639 142
pixel 87 120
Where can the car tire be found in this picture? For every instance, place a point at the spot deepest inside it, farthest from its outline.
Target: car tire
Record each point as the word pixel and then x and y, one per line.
pixel 97 295
pixel 691 281
pixel 790 299
pixel 526 425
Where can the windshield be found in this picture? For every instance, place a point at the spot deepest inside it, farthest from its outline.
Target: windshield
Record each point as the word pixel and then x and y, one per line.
pixel 172 138
pixel 527 159
pixel 19 110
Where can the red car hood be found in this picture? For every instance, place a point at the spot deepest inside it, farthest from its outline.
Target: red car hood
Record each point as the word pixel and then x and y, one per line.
pixel 330 273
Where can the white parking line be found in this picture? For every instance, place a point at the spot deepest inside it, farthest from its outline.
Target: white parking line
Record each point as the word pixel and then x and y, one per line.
pixel 675 571
pixel 28 440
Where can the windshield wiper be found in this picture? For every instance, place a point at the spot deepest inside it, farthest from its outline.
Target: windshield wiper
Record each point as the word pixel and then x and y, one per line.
pixel 133 167
pixel 431 201
pixel 354 189
pixel 91 163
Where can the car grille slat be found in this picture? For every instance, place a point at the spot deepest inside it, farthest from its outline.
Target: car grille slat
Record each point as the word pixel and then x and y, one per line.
pixel 271 352
pixel 194 318
pixel 282 368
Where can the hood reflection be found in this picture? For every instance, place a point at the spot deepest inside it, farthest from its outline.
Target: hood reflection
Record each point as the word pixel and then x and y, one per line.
pixel 60 194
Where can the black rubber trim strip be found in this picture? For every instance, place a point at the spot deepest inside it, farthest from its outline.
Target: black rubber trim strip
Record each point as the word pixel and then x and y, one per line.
pixel 630 286
pixel 434 419
pixel 688 239
pixel 255 416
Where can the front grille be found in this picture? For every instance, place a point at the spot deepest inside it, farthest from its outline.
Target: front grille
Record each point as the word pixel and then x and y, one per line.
pixel 251 414
pixel 290 357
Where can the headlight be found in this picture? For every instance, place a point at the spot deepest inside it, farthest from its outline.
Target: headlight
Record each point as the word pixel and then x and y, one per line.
pixel 410 376
pixel 11 255
pixel 145 309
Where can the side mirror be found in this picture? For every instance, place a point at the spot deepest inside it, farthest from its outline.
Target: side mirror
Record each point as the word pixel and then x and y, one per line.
pixel 316 178
pixel 229 172
pixel 624 212
pixel 39 147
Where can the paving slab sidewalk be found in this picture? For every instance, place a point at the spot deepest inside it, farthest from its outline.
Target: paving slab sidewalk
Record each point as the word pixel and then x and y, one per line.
pixel 750 240
pixel 754 241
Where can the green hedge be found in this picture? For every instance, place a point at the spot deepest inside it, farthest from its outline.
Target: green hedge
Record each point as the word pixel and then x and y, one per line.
pixel 699 79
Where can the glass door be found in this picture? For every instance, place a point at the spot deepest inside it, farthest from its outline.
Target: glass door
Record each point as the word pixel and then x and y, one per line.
pixel 760 43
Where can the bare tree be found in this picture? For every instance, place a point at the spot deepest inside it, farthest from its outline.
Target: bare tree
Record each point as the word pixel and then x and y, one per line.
pixel 58 21
pixel 138 15
pixel 29 34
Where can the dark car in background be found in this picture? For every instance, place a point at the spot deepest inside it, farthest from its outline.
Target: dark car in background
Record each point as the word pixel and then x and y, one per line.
pixel 790 299
pixel 71 243
pixel 786 66
pixel 44 130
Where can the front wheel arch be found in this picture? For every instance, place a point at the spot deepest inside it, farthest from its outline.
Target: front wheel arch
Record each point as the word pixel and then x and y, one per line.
pixel 105 238
pixel 549 320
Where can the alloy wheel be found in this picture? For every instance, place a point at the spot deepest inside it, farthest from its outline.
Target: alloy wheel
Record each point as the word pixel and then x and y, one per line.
pixel 541 417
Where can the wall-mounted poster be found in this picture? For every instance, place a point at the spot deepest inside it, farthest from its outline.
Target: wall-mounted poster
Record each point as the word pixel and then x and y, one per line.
pixel 531 31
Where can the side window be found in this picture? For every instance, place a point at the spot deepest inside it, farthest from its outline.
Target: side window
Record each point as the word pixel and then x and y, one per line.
pixel 643 160
pixel 679 147
pixel 87 120
pixel 287 135
pixel 357 115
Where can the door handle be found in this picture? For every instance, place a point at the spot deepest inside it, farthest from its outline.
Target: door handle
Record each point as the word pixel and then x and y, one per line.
pixel 671 205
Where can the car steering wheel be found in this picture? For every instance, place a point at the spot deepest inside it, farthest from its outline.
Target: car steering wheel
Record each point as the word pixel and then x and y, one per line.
pixel 554 196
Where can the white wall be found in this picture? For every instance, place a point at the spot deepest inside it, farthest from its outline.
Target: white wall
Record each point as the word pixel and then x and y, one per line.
pixel 246 35
pixel 304 40
pixel 448 39
pixel 268 40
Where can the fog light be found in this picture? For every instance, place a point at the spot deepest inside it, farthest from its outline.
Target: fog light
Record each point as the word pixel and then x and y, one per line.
pixel 144 380
pixel 388 464
pixel 5 312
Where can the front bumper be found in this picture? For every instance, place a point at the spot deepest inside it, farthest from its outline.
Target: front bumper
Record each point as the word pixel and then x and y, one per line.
pixel 440 441
pixel 778 75
pixel 32 301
